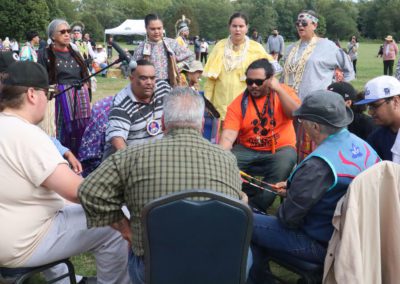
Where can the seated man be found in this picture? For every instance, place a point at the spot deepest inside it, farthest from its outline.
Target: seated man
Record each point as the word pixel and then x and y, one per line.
pixel 382 95
pixel 100 59
pixel 303 226
pixel 37 226
pixel 182 160
pixel 260 120
pixel 135 115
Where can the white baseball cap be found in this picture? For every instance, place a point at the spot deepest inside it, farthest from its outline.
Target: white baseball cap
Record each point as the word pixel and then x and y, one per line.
pixel 381 87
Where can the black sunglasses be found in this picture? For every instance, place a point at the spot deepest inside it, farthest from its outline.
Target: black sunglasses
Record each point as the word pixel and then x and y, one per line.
pixel 50 92
pixel 64 31
pixel 302 23
pixel 258 82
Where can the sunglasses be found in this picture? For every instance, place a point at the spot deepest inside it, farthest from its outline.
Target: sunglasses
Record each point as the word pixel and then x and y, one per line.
pixel 50 92
pixel 301 23
pixel 258 82
pixel 65 31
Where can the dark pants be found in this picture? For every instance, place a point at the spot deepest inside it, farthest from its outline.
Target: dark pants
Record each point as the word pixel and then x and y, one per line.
pixel 270 234
pixel 204 57
pixel 197 55
pixel 388 67
pixel 272 167
pixel 355 66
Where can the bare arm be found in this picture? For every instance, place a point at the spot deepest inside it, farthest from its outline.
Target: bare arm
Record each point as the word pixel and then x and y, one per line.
pixel 118 143
pixel 64 182
pixel 228 137
pixel 288 103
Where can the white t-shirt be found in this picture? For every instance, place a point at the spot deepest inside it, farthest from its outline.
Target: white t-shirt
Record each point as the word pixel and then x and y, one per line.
pixel 396 149
pixel 204 47
pixel 27 158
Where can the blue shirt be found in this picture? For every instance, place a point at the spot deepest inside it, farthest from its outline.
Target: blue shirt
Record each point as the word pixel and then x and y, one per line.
pixel 382 140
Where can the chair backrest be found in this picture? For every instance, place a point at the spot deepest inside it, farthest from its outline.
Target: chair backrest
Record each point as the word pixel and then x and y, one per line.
pixel 201 240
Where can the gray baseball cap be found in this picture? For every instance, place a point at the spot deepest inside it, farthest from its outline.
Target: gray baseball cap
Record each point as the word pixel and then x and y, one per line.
pixel 325 107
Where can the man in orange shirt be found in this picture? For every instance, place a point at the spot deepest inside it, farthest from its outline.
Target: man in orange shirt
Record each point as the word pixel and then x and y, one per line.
pixel 260 121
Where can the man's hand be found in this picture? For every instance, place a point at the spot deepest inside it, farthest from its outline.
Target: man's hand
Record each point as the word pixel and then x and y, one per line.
pixel 273 84
pixel 280 188
pixel 73 162
pixel 123 227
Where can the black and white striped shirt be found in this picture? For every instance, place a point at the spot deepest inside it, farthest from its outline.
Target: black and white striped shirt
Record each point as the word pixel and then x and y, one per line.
pixel 128 117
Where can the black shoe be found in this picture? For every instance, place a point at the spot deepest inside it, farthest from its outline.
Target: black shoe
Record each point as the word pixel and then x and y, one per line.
pixel 88 280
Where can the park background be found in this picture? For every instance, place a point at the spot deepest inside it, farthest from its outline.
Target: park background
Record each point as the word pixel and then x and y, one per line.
pixel 370 21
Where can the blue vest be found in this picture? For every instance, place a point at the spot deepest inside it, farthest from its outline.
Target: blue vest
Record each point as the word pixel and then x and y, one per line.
pixel 347 155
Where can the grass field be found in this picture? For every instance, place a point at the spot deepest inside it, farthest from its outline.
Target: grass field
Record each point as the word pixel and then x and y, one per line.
pixel 368 65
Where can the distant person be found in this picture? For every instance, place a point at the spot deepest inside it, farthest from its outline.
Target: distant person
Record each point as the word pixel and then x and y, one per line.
pixel 203 51
pixel 14 46
pixel 197 45
pixel 352 51
pixel 382 95
pixel 28 52
pixel 390 51
pixel 275 45
pixel 362 124
pixel 182 31
pixel 256 36
pixel 100 59
pixel 109 47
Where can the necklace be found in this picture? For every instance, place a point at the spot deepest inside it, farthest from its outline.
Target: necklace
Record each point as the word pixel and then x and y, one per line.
pixel 153 126
pixel 295 66
pixel 233 59
pixel 263 121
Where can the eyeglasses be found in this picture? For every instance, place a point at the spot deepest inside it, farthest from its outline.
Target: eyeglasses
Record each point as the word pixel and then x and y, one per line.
pixel 258 82
pixel 64 31
pixel 302 23
pixel 374 107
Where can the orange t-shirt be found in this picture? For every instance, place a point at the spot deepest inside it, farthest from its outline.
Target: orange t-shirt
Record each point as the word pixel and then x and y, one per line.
pixel 255 136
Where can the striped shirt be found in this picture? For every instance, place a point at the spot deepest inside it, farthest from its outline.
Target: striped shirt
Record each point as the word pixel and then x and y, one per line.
pixel 182 160
pixel 128 117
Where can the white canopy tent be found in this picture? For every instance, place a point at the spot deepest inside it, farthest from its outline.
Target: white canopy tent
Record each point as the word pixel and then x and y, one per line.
pixel 129 27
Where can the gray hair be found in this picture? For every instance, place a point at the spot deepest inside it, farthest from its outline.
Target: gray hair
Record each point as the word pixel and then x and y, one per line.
pixel 52 27
pixel 183 107
pixel 325 128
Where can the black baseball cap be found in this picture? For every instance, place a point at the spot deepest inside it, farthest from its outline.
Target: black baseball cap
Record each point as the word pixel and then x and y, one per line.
pixel 6 58
pixel 346 90
pixel 27 74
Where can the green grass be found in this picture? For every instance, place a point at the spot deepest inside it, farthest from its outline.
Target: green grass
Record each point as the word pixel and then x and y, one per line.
pixel 369 66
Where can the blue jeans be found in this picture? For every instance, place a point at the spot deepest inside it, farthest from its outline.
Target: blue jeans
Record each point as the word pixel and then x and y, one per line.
pixel 270 234
pixel 272 167
pixel 136 267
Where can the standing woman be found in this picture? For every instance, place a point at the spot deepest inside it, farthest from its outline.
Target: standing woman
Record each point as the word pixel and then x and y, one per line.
pixel 310 65
pixel 228 61
pixel 65 67
pixel 390 51
pixel 352 50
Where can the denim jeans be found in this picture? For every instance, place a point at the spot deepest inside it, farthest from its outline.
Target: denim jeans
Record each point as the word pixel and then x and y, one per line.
pixel 270 234
pixel 136 267
pixel 272 167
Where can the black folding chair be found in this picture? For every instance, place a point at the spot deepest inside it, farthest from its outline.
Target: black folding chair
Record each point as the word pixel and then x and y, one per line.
pixel 197 241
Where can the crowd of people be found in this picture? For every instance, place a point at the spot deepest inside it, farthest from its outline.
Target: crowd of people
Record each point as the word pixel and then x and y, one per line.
pixel 79 181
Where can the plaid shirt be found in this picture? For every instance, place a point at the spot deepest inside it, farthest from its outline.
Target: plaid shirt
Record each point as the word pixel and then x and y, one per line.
pixel 182 160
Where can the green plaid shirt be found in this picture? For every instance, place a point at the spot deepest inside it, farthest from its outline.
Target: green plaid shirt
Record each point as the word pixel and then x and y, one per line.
pixel 182 160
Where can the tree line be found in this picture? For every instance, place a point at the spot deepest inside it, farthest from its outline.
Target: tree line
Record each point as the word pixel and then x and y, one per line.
pixel 338 19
